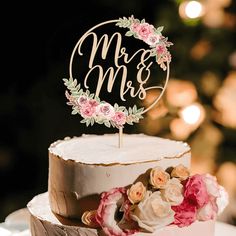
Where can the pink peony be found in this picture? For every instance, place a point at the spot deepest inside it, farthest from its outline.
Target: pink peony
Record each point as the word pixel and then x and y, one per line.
pixel 195 191
pixel 144 30
pixel 119 118
pixel 185 214
pixel 110 203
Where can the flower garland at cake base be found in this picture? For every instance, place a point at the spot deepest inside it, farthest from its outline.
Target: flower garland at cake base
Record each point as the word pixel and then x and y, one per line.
pixel 165 198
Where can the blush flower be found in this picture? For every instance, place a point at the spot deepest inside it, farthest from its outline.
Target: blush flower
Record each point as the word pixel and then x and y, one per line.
pixel 207 212
pixel 173 192
pixel 185 214
pixel 82 100
pixel 136 192
pixel 211 185
pixel 223 200
pixel 119 118
pixel 105 110
pixel 159 177
pixel 181 172
pixel 110 204
pixel 152 39
pixel 144 30
pixel 87 110
pixel 152 212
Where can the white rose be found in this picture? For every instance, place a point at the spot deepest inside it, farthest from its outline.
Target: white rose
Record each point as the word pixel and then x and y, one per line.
pixel 173 193
pixel 223 200
pixel 212 185
pixel 152 212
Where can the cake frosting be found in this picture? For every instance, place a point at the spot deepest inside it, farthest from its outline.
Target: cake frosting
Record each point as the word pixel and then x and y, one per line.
pixel 136 148
pixel 81 168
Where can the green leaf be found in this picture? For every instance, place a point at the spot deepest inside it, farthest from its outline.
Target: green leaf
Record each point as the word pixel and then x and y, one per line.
pixel 107 124
pixel 159 29
pixel 134 109
pixel 130 110
pixel 83 121
pixel 129 33
pixel 88 122
pixel 74 112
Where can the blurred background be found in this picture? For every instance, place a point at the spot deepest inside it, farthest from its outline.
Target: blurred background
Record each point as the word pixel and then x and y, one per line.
pixel 199 105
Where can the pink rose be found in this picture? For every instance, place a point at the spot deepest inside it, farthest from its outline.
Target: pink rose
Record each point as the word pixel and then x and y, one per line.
pixel 87 110
pixel 93 103
pixel 88 107
pixel 110 204
pixel 161 49
pixel 185 214
pixel 195 191
pixel 207 212
pixel 135 27
pixel 119 118
pixel 144 30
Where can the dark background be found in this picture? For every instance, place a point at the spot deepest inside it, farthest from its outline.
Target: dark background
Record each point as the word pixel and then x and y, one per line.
pixel 38 39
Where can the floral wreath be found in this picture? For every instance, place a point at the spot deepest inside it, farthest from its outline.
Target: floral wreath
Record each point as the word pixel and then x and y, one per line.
pixel 91 108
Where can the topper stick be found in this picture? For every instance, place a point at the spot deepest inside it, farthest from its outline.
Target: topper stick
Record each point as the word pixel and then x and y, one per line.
pixel 120 137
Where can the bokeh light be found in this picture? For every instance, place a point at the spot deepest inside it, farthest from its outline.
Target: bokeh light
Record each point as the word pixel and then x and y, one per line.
pixel 191 114
pixel 191 9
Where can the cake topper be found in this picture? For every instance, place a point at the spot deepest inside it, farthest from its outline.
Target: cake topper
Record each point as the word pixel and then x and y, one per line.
pixel 88 103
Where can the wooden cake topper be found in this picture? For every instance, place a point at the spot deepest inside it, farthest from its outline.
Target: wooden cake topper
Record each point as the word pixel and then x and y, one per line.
pixel 88 103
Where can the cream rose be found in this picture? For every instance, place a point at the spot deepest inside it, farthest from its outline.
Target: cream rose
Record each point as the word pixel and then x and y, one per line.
pixel 159 177
pixel 136 192
pixel 152 212
pixel 181 172
pixel 173 192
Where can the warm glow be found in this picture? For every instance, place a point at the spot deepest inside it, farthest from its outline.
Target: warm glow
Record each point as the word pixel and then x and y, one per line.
pixel 193 9
pixel 191 114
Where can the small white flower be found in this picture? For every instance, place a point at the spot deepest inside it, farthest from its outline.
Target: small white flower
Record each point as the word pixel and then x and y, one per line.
pixel 173 192
pixel 152 212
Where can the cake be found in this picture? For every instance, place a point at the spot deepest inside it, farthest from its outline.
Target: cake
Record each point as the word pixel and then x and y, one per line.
pixel 143 188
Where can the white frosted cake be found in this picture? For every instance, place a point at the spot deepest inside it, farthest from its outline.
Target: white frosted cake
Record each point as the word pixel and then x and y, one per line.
pixel 143 188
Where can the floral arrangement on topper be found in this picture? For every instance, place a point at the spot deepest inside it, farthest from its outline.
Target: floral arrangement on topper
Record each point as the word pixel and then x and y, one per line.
pixel 88 104
pixel 164 198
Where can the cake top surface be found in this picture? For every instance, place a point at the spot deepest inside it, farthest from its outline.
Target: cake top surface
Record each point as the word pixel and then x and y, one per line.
pixel 103 149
